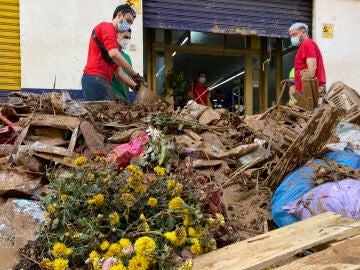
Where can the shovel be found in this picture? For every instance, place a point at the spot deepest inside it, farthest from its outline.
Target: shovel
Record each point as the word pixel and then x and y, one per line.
pixel 147 97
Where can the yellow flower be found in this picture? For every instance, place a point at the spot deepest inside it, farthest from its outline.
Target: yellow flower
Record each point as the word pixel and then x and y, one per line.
pixel 196 247
pixel 59 249
pixel 146 227
pixel 144 245
pixel 113 251
pixel 138 262
pixel 152 202
pixel 170 184
pixel 51 208
pixel 46 263
pixel 80 161
pixel 98 200
pixel 60 264
pixel 220 218
pixel 104 245
pixel 176 237
pixel 142 218
pixel 63 197
pixel 177 190
pixel 118 266
pixel 135 171
pixel 124 242
pixel 195 232
pixel 128 199
pixel 176 203
pixel 171 236
pixel 187 265
pixel 180 235
pixel 67 160
pixel 211 222
pixel 95 260
pixel 94 255
pixel 106 180
pixel 159 170
pixel 186 220
pixel 90 177
pixel 103 173
pixel 67 234
pixel 114 218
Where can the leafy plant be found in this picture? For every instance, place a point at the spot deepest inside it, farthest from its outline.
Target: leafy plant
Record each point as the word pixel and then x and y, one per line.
pixel 139 218
pixel 175 83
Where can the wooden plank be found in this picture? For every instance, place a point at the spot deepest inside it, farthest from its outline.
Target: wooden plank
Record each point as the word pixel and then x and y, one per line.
pixel 345 255
pixel 73 139
pixel 309 142
pixel 56 121
pixel 275 246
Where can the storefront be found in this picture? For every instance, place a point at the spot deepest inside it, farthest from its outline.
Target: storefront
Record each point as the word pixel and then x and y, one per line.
pixel 242 45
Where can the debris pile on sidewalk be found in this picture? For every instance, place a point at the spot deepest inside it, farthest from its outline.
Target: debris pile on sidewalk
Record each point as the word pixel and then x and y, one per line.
pixel 244 158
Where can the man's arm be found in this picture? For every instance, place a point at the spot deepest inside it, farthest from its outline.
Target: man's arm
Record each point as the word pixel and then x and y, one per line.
pixel 121 76
pixel 121 61
pixel 312 65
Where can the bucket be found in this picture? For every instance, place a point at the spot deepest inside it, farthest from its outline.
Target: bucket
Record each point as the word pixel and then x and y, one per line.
pixel 147 97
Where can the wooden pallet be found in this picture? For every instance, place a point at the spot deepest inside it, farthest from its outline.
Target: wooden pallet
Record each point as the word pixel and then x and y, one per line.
pixel 277 246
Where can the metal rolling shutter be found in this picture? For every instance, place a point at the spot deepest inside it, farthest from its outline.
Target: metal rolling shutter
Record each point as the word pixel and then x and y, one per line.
pixel 10 68
pixel 270 18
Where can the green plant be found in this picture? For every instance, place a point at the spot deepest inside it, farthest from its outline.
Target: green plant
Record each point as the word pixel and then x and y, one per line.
pixel 175 84
pixel 138 218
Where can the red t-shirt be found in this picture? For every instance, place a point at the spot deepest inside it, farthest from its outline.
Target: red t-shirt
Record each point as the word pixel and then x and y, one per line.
pixel 96 65
pixel 198 90
pixel 309 49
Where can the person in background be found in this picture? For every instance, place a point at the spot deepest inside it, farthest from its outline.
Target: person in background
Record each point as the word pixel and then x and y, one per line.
pixel 292 88
pixel 121 90
pixel 308 56
pixel 198 91
pixel 104 58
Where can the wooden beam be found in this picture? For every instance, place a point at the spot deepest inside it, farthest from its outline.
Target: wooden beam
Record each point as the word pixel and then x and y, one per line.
pixel 278 245
pixel 342 256
pixel 309 142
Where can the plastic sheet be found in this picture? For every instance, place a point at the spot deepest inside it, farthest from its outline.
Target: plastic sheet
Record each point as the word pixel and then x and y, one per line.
pixel 293 187
pixel 341 197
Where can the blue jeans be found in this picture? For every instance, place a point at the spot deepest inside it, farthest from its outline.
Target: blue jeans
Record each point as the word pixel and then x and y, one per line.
pixel 95 88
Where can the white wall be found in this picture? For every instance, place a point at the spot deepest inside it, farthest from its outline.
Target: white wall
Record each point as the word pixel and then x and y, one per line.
pixel 55 36
pixel 342 53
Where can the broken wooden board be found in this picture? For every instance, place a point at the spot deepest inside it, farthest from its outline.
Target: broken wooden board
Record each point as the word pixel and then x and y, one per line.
pixel 308 143
pixel 278 245
pixel 94 141
pixel 342 256
pixel 56 121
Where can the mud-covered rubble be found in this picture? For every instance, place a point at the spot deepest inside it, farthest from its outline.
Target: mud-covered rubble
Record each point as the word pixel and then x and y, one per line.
pixel 239 153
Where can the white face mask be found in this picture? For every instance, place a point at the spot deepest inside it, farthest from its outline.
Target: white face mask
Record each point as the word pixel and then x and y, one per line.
pixel 124 43
pixel 202 80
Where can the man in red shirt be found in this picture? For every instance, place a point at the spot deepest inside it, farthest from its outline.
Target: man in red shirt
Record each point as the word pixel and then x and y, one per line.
pixel 198 91
pixel 308 56
pixel 104 58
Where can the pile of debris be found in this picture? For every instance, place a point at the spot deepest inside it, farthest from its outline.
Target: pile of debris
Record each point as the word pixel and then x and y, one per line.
pixel 247 156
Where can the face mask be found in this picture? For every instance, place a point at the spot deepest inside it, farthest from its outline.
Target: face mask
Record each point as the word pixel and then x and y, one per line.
pixel 295 41
pixel 202 80
pixel 123 26
pixel 124 43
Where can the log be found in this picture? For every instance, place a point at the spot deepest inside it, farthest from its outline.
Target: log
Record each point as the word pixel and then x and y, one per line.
pixel 274 247
pixel 310 141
